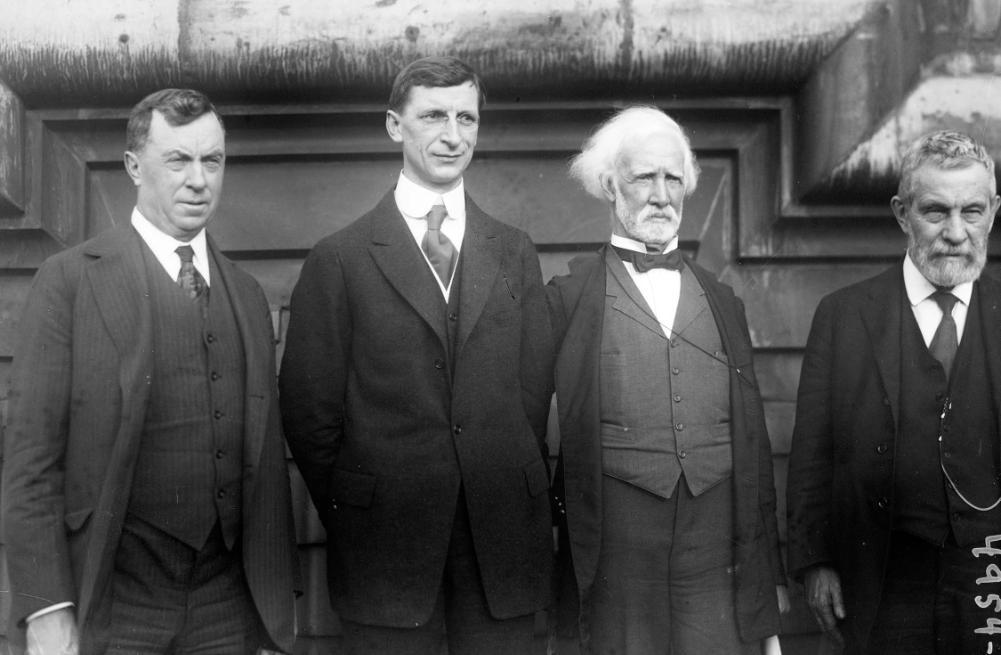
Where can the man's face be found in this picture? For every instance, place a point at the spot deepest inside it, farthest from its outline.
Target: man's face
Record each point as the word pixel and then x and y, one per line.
pixel 437 127
pixel 647 190
pixel 947 220
pixel 178 173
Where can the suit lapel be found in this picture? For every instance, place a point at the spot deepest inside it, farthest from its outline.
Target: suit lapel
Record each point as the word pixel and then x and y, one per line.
pixel 881 315
pixel 630 302
pixel 252 325
pixel 481 262
pixel 399 258
pixel 118 280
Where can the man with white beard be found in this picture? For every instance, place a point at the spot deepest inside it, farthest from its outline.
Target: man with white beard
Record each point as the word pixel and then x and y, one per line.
pixel 894 487
pixel 665 471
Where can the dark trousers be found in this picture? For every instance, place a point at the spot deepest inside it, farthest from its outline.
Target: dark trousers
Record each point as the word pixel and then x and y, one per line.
pixel 664 582
pixel 166 597
pixel 461 618
pixel 930 599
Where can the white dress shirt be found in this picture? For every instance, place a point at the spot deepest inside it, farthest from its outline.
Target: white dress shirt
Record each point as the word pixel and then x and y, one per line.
pixel 926 311
pixel 414 203
pixel 661 288
pixel 163 246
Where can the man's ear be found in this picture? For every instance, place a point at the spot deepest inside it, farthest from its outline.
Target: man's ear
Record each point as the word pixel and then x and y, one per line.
pixel 393 126
pixel 607 181
pixel 132 166
pixel 900 212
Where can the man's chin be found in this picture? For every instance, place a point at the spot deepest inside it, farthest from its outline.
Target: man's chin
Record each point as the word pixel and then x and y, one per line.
pixel 951 271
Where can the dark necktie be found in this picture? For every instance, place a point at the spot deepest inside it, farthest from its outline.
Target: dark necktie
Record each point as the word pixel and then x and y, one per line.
pixel 189 278
pixel 437 247
pixel 946 341
pixel 644 261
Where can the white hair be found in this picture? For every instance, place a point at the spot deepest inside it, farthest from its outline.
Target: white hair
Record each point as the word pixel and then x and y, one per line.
pixel 602 150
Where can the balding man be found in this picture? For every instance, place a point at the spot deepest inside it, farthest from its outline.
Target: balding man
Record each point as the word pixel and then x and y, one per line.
pixel 665 465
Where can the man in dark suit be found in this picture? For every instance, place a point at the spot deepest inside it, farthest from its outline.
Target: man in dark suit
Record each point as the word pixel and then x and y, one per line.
pixel 146 496
pixel 415 387
pixel 665 470
pixel 893 476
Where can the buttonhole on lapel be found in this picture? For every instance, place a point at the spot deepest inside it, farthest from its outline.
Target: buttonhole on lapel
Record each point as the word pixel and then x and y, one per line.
pixel 508 285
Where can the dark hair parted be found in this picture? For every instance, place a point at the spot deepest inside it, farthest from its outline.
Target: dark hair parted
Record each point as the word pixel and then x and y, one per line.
pixel 178 106
pixel 433 72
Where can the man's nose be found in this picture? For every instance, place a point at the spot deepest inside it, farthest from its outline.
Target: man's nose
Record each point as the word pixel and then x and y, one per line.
pixel 196 175
pixel 450 132
pixel 954 229
pixel 658 194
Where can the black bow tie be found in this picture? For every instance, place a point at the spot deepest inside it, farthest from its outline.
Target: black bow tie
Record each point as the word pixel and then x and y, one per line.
pixel 644 261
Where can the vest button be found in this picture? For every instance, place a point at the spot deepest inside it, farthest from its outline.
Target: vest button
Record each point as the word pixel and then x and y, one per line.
pixel 674 343
pixel 215 376
pixel 452 316
pixel 218 414
pixel 677 397
pixel 221 493
pixel 683 454
pixel 457 429
pixel 882 502
pixel 210 337
pixel 219 454
pixel 439 364
pixel 881 448
pixel 679 426
pixel 675 370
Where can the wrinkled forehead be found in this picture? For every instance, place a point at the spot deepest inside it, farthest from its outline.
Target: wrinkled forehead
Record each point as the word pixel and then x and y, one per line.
pixel 657 150
pixel 961 180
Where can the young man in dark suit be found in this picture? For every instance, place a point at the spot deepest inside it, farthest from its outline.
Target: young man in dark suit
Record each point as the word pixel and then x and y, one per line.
pixel 894 478
pixel 665 470
pixel 145 491
pixel 415 388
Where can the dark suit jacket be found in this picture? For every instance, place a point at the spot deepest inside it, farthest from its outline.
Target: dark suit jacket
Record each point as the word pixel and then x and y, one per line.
pixel 78 399
pixel 577 305
pixel 385 428
pixel 841 466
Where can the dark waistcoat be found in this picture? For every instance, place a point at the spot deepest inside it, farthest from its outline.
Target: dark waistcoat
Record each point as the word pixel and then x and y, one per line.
pixel 188 472
pixel 926 505
pixel 665 403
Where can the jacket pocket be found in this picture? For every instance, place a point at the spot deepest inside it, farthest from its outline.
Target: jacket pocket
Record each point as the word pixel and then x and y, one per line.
pixel 351 488
pixel 537 478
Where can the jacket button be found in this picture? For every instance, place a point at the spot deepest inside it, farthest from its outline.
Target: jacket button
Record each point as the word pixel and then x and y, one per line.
pixel 210 337
pixel 439 364
pixel 221 493
pixel 219 454
pixel 217 414
pixel 881 448
pixel 215 376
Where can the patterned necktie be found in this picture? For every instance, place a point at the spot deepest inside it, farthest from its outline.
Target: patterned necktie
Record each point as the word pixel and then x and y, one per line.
pixel 946 341
pixel 439 250
pixel 189 278
pixel 644 261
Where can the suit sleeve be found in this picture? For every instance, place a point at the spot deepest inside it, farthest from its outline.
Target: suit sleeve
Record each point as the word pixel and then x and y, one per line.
pixel 315 368
pixel 811 461
pixel 35 449
pixel 536 346
pixel 766 475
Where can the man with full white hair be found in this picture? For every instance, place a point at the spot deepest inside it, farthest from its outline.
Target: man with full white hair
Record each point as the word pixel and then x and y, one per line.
pixel 894 478
pixel 665 472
